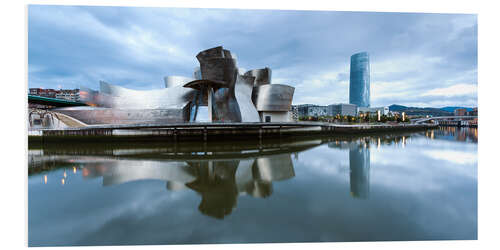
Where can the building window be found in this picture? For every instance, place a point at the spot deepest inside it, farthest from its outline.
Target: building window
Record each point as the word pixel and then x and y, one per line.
pixel 268 118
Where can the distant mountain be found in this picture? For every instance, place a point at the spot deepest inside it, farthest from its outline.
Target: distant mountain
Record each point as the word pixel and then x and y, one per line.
pixel 451 109
pixel 419 111
pixel 395 107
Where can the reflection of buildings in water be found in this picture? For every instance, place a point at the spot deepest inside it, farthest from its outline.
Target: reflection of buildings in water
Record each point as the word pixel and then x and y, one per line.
pixel 359 163
pixel 216 184
pixel 218 181
pixel 454 133
pixel 121 171
pixel 377 141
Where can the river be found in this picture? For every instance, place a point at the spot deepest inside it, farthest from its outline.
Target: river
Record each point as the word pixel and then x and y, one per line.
pixel 379 187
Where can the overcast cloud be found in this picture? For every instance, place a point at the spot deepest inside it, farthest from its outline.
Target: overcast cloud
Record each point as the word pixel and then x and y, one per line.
pixel 416 59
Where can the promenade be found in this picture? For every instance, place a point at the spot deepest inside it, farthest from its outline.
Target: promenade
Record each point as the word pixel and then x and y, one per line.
pixel 212 131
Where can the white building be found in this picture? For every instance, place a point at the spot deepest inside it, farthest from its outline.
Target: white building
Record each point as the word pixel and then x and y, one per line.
pixel 374 110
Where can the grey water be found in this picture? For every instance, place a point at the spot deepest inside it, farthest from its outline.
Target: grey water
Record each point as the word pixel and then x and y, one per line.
pixel 380 187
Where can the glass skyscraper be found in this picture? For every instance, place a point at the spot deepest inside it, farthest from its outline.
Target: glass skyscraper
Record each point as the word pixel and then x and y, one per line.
pixel 359 82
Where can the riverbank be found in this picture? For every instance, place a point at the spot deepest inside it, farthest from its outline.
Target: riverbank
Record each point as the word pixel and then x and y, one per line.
pixel 210 131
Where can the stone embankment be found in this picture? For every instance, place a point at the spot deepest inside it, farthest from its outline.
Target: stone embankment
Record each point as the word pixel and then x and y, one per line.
pixel 213 131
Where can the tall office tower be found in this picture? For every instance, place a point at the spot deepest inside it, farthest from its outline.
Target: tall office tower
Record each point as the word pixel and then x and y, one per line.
pixel 359 82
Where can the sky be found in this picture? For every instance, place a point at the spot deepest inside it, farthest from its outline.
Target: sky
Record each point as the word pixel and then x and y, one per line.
pixel 416 59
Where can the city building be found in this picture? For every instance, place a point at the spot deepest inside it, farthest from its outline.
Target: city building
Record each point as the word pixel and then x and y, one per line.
pixel 460 112
pixel 305 110
pixel 295 113
pixel 359 82
pixel 302 109
pixel 66 94
pixel 374 110
pixel 317 111
pixel 473 112
pixel 51 93
pixel 313 110
pixel 341 109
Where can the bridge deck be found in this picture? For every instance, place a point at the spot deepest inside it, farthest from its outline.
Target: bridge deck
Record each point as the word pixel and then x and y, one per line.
pixel 421 120
pixel 53 101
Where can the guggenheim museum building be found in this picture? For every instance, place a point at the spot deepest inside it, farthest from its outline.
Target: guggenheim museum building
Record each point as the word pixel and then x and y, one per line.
pixel 217 92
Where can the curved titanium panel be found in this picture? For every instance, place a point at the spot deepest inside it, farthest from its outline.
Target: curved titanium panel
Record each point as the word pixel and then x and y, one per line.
pixel 216 52
pixel 219 69
pixel 173 81
pixel 359 82
pixel 262 76
pixel 227 53
pixel 243 94
pixel 217 64
pixel 273 97
pixel 169 98
pixel 225 107
pixel 197 73
pixel 232 97
pixel 97 115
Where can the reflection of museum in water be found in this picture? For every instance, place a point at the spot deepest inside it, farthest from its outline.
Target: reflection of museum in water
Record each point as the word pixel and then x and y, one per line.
pixel 218 177
pixel 218 181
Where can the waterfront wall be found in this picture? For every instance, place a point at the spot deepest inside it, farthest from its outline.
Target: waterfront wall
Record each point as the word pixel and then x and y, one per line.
pixel 214 131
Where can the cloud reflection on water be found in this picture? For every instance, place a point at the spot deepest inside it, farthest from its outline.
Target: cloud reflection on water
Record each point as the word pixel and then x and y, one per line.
pixel 367 188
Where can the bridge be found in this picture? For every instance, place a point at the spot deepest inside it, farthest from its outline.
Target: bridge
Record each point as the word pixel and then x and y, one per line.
pixel 53 101
pixel 454 119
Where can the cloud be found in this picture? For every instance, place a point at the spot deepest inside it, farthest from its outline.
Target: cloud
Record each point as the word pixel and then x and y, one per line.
pixel 452 156
pixel 455 90
pixel 410 54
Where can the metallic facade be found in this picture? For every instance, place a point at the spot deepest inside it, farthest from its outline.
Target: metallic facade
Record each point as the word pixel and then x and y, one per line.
pixel 359 82
pixel 117 105
pixel 273 97
pixel 243 94
pixel 262 76
pixel 219 74
pixel 231 99
pixel 99 115
pixel 216 93
pixel 176 97
pixel 179 81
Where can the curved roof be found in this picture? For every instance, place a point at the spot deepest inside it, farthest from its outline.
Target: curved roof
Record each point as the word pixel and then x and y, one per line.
pixel 172 81
pixel 196 84
pixel 273 97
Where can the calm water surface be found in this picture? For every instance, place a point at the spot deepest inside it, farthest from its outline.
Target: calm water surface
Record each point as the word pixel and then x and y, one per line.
pixel 413 186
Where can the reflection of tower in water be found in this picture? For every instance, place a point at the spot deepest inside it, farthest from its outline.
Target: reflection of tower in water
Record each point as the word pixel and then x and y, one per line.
pixel 359 163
